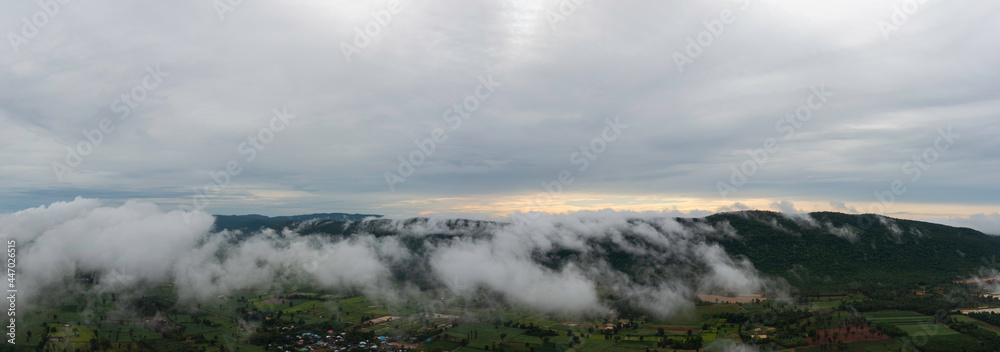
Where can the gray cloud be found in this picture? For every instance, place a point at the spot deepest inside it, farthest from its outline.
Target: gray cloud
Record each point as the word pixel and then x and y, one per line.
pixel 606 59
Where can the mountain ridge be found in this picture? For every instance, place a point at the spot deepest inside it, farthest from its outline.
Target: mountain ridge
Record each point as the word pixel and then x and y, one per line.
pixel 815 252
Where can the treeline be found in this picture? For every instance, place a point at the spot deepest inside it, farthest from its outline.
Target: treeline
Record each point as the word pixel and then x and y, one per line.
pixel 986 317
pixel 976 340
pixel 733 318
pixel 890 330
pixel 774 317
pixel 539 331
pixel 149 305
pixel 926 305
pixel 690 342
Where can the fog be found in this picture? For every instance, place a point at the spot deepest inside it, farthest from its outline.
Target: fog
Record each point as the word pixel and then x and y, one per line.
pixel 557 264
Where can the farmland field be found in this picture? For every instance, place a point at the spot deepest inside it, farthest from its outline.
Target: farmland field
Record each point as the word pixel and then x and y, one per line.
pixel 219 325
pixel 912 323
pixel 926 329
pixel 896 316
pixel 967 319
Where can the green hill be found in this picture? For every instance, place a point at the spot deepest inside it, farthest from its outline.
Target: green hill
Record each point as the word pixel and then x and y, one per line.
pixel 816 253
pixel 884 252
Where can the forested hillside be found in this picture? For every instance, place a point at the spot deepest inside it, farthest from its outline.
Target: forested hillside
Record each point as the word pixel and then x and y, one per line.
pixel 817 253
pixel 868 250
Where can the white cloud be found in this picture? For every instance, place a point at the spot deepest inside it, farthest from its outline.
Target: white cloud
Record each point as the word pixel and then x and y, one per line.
pixel 524 262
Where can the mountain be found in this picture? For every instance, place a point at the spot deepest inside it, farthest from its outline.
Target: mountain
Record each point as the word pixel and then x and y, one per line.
pixel 255 222
pixel 828 250
pixel 818 253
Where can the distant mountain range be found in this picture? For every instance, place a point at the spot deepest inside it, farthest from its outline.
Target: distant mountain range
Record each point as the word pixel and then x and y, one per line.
pixel 255 222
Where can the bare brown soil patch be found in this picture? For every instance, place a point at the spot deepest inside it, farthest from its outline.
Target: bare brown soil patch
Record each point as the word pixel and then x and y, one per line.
pixel 382 319
pixel 736 299
pixel 846 334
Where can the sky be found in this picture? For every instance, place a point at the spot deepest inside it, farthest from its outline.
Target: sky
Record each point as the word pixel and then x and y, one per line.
pixel 484 108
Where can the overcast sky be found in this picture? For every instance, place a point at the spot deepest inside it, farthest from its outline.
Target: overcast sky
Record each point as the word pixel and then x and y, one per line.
pixel 665 98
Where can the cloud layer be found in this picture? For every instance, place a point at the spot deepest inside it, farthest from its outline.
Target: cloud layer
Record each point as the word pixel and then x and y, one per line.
pixel 225 74
pixel 555 264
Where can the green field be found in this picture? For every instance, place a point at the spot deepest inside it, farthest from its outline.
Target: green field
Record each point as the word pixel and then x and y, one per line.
pixel 832 302
pixel 926 329
pixel 912 323
pixel 895 316
pixel 967 319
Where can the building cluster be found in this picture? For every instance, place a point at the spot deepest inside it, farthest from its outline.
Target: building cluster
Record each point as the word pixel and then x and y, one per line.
pixel 307 341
